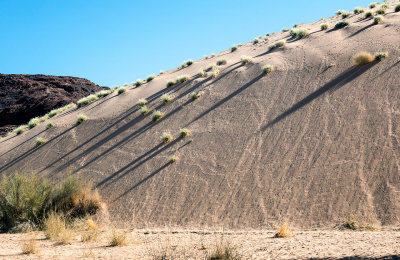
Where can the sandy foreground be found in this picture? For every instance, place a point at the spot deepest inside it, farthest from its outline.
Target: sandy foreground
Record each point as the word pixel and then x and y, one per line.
pixel 196 244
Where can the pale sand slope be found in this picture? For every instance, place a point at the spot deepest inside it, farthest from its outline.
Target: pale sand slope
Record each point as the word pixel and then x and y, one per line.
pixel 196 244
pixel 309 143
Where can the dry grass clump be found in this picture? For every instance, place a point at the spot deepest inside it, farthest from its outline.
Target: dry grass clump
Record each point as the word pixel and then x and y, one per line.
pixel 142 102
pixel 166 137
pixel 40 141
pixel 150 78
pixel 144 110
pixel 19 130
pixel 87 100
pixel 29 246
pixel 138 83
pixel 55 228
pixel 33 122
pixel 381 10
pixel 368 14
pixel 157 115
pixel 234 48
pixel 196 94
pixel 397 8
pixel 245 60
pixel 255 41
pixel 166 98
pixel 268 69
pixel 221 62
pixel 173 159
pixel 202 73
pixel 358 10
pixel 357 223
pixel 372 5
pixel 379 56
pixel 363 58
pixel 341 24
pixel 49 125
pixel 81 118
pixel 182 78
pixel 183 132
pixel 121 90
pixel 118 239
pixel 187 63
pixel 215 73
pixel 299 33
pixel 223 251
pixel 378 19
pixel 277 44
pixel 324 26
pixel 283 231
pixel 104 93
pixel 60 110
pixel 170 83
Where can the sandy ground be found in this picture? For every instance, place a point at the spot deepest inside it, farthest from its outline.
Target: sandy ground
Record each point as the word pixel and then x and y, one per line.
pixel 196 244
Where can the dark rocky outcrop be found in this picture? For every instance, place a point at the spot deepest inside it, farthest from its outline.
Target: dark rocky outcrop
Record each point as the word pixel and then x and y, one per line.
pixel 23 97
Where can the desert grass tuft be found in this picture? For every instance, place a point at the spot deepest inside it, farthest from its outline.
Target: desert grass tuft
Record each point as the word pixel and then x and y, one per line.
pixel 223 251
pixel 234 48
pixel 182 78
pixel 268 69
pixel 103 93
pixel 142 102
pixel 60 110
pixel 381 11
pixel 166 98
pixel 157 115
pixel 55 228
pixel 40 141
pixel 173 159
pixel 30 246
pixel 81 118
pixel 245 60
pixel 49 125
pixel 121 90
pixel 378 19
pixel 368 14
pixel 138 83
pixel 144 110
pixel 221 62
pixel 277 44
pixel 283 231
pixel 187 63
pixel 363 58
pixel 87 100
pixel 255 41
pixel 166 137
pixel 19 130
pixel 202 73
pixel 358 10
pixel 379 56
pixel 357 223
pixel 196 94
pixel 341 24
pixel 299 33
pixel 345 14
pixel 150 78
pixel 372 5
pixel 215 73
pixel 170 83
pixel 33 122
pixel 324 26
pixel 118 239
pixel 183 132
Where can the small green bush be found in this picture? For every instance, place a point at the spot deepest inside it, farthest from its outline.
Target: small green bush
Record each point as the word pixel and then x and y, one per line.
pixel 166 137
pixel 397 8
pixel 170 83
pixel 49 125
pixel 121 90
pixel 157 115
pixel 368 14
pixel 144 110
pixel 245 60
pixel 234 48
pixel 142 102
pixel 166 98
pixel 358 10
pixel 372 5
pixel 139 82
pixel 187 63
pixel 81 118
pixel 33 122
pixel 183 132
pixel 196 94
pixel 86 100
pixel 182 79
pixel 268 69
pixel 298 33
pixel 19 130
pixel 341 24
pixel 378 19
pixel 221 62
pixel 255 41
pixel 40 141
pixel 324 26
pixel 379 56
pixel 150 78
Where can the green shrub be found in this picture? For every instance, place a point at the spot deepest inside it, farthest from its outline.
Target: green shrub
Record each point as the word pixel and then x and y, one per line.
pixel 221 62
pixel 27 199
pixel 187 63
pixel 121 90
pixel 378 19
pixel 40 141
pixel 182 79
pixel 150 78
pixel 368 14
pixel 86 100
pixel 173 159
pixel 381 11
pixel 372 5
pixel 142 102
pixel 245 60
pixel 358 10
pixel 166 137
pixel 19 130
pixel 234 48
pixel 170 83
pixel 139 82
pixel 268 69
pixel 363 58
pixel 397 8
pixel 381 55
pixel 341 24
pixel 324 26
pixel 255 41
pixel 49 125
pixel 33 122
pixel 166 98
pixel 81 118
pixel 144 110
pixel 183 132
pixel 299 33
pixel 157 115
pixel 196 94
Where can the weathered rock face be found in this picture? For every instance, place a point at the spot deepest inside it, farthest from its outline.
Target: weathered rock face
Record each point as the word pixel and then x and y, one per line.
pixel 23 97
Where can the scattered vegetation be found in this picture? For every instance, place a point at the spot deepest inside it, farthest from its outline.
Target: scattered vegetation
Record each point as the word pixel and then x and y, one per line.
pixel 139 82
pixel 87 100
pixel 187 63
pixel 121 90
pixel 378 19
pixel 324 26
pixel 166 98
pixel 255 41
pixel 183 132
pixel 166 137
pixel 234 48
pixel 142 102
pixel 173 159
pixel 118 239
pixel 299 33
pixel 341 24
pixel 49 125
pixel 221 62
pixel 196 94
pixel 363 58
pixel 150 78
pixel 81 118
pixel 381 55
pixel 268 69
pixel 144 110
pixel 40 141
pixel 358 10
pixel 245 60
pixel 277 44
pixel 283 231
pixel 182 79
pixel 157 115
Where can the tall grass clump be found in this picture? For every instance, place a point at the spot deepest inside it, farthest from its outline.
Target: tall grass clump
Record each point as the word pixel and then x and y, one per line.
pixel 118 239
pixel 33 122
pixel 324 26
pixel 29 246
pixel 40 141
pixel 103 93
pixel 87 100
pixel 49 125
pixel 363 58
pixel 397 8
pixel 368 14
pixel 142 102
pixel 283 231
pixel 299 33
pixel 215 73
pixel 245 60
pixel 150 78
pixel 19 130
pixel 183 132
pixel 221 62
pixel 166 137
pixel 379 56
pixel 182 78
pixel 277 44
pixel 341 24
pixel 357 223
pixel 223 251
pixel 170 83
pixel 381 11
pixel 60 110
pixel 358 10
pixel 378 19
pixel 187 63
pixel 81 118
pixel 166 98
pixel 138 83
pixel 202 73
pixel 345 14
pixel 55 228
pixel 144 110
pixel 196 94
pixel 268 69
pixel 121 90
pixel 157 115
pixel 28 199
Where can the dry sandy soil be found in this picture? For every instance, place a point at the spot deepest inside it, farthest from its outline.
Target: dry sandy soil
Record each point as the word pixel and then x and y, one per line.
pixel 196 244
pixel 308 143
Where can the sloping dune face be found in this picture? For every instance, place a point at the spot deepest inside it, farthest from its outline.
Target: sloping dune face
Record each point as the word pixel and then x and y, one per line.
pixel 308 143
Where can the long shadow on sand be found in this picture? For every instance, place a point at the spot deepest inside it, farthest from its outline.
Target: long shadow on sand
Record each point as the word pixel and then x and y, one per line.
pixel 331 86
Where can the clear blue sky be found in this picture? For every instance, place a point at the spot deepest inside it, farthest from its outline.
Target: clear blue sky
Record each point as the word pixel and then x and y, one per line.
pixel 112 42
